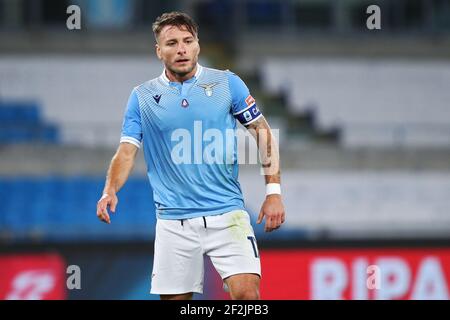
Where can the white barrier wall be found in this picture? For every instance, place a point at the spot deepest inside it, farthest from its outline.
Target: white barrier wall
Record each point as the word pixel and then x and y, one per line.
pixel 360 204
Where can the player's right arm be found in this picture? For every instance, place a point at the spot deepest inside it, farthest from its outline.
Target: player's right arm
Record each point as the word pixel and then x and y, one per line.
pixel 121 165
pixel 123 161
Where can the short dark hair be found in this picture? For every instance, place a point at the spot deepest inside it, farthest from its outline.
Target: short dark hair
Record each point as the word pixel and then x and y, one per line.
pixel 174 18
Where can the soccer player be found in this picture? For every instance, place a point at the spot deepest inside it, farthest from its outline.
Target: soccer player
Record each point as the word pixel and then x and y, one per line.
pixel 198 199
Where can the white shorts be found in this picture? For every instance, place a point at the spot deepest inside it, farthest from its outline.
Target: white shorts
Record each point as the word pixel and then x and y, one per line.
pixel 228 239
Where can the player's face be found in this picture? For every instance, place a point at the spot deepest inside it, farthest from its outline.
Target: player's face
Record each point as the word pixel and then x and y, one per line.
pixel 179 50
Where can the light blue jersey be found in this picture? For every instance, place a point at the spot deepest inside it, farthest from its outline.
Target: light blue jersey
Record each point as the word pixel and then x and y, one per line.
pixel 176 123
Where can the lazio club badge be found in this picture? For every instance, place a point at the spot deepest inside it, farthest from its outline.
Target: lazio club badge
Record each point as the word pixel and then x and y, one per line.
pixel 208 88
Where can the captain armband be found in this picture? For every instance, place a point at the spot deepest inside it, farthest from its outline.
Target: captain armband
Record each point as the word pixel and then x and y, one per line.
pixel 249 114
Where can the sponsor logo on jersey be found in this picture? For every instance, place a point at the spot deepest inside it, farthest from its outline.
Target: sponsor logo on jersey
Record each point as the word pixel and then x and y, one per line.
pixel 249 100
pixel 157 98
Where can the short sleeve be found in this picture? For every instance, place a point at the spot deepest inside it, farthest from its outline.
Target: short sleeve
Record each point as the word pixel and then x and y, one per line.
pixel 131 127
pixel 244 107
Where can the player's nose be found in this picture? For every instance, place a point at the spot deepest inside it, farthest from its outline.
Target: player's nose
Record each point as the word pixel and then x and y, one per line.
pixel 181 48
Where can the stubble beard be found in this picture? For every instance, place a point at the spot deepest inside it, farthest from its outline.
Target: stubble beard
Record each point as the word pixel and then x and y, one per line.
pixel 183 73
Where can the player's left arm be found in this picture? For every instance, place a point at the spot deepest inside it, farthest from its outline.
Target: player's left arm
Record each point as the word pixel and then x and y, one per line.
pixel 272 208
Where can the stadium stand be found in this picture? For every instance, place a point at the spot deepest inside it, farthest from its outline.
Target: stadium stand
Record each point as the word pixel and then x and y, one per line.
pixel 80 86
pixel 21 122
pixel 53 193
pixel 63 209
pixel 375 102
pixel 367 204
pixel 325 204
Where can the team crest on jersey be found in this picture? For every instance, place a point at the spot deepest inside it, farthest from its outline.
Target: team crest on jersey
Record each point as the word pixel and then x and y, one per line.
pixel 208 88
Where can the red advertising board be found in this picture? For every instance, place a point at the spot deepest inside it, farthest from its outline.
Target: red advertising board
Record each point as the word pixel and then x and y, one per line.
pixel 32 277
pixel 382 274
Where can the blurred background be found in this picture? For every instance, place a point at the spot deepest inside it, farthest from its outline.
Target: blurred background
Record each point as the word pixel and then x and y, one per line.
pixel 364 120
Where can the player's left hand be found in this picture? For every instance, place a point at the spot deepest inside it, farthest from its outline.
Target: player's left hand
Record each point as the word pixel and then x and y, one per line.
pixel 273 210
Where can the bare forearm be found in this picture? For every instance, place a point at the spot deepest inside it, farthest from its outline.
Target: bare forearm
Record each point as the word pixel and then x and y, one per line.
pixel 270 159
pixel 272 208
pixel 121 165
pixel 268 150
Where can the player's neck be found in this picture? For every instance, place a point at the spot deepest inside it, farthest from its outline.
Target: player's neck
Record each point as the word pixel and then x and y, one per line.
pixel 174 77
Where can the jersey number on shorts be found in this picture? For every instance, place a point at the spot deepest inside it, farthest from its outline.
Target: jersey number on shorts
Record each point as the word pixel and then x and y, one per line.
pixel 253 241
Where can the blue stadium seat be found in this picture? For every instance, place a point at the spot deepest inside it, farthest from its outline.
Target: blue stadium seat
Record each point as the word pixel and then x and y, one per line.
pixel 14 112
pixel 21 122
pixel 63 209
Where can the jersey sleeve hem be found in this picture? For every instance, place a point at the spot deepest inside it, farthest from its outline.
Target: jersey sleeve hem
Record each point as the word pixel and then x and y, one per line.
pixel 131 140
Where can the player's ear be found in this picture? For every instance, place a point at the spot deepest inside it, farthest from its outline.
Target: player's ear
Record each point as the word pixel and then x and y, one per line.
pixel 158 51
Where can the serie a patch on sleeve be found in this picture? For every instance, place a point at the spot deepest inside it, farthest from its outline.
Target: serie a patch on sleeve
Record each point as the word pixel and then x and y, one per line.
pixel 250 113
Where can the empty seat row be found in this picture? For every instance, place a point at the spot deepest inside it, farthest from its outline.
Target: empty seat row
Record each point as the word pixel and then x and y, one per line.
pixel 19 112
pixel 21 122
pixel 65 209
pixel 382 96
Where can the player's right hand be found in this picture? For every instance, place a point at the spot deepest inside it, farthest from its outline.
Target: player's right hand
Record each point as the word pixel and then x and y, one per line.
pixel 107 200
